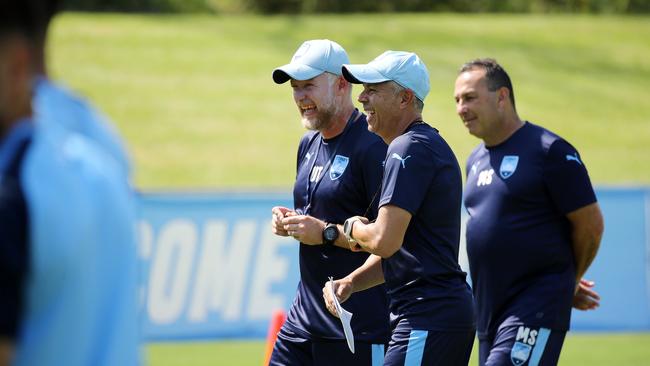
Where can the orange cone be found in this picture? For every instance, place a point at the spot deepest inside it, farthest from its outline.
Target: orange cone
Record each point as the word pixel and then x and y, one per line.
pixel 278 318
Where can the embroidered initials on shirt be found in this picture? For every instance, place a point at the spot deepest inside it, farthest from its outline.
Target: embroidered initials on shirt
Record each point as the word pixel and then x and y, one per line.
pixel 315 173
pixel 484 177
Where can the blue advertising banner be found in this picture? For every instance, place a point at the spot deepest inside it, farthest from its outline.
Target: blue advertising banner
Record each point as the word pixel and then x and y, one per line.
pixel 211 268
pixel 622 267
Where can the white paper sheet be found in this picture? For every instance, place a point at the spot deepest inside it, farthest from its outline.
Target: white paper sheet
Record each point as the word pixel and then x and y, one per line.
pixel 345 317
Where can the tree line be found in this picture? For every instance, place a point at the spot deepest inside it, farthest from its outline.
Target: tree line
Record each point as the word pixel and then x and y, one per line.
pixel 364 6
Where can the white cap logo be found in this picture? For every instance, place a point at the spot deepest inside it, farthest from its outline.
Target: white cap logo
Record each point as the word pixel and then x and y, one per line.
pixel 301 52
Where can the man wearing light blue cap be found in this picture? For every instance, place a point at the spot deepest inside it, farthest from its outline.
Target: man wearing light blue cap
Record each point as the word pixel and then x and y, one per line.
pixel 338 175
pixel 414 241
pixel 312 59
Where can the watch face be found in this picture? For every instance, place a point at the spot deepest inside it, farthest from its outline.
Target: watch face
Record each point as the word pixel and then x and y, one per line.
pixel 330 233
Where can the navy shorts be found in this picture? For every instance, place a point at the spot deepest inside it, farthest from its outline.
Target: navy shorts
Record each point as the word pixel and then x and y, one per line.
pixel 292 349
pixel 521 345
pixel 411 347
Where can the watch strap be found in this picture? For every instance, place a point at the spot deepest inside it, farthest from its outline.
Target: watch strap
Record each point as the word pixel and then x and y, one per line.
pixel 347 228
pixel 328 227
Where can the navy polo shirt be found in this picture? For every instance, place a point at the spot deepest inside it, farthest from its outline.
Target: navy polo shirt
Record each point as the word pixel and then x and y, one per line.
pixel 425 284
pixel 518 237
pixel 337 178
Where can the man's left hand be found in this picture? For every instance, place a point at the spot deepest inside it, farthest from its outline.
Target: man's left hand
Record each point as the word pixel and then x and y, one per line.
pixel 585 298
pixel 304 228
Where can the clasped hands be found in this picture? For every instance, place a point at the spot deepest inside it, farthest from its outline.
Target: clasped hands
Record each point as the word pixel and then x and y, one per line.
pixel 304 228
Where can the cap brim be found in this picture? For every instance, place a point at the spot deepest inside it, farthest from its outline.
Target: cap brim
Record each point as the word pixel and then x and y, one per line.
pixel 294 71
pixel 360 74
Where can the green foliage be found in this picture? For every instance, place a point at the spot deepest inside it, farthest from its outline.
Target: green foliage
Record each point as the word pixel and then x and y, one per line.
pixel 638 6
pixel 365 6
pixel 166 6
pixel 466 6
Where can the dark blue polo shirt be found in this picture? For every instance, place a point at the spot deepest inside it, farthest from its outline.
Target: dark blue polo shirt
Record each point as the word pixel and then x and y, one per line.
pixel 14 249
pixel 425 284
pixel 518 237
pixel 337 178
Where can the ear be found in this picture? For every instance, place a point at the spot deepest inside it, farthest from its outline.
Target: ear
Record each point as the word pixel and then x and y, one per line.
pixel 503 96
pixel 341 83
pixel 406 98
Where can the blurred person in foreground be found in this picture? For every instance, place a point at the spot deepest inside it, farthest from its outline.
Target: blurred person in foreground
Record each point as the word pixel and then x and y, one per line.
pixel 338 173
pixel 534 225
pixel 67 249
pixel 415 240
pixel 56 105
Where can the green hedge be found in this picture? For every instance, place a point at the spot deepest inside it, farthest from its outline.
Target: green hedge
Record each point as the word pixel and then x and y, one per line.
pixel 165 6
pixel 537 6
pixel 346 6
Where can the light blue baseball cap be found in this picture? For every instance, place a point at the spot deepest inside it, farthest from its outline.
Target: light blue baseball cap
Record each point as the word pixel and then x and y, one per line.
pixel 312 59
pixel 404 68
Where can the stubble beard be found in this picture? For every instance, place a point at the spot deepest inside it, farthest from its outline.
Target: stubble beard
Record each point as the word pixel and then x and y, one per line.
pixel 324 116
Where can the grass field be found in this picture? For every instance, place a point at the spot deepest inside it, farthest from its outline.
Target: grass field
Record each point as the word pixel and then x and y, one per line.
pixel 194 98
pixel 579 349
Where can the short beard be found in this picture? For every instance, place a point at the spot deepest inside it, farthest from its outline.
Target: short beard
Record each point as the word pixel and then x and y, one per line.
pixel 321 122
pixel 327 111
pixel 324 116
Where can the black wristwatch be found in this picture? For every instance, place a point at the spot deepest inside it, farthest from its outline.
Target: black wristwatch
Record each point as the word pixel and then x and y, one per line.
pixel 330 234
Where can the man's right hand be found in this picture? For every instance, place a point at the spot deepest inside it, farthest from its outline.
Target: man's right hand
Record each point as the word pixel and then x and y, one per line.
pixel 342 288
pixel 278 213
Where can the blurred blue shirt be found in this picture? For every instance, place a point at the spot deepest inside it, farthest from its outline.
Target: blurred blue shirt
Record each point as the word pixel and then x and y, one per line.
pixel 55 105
pixel 80 303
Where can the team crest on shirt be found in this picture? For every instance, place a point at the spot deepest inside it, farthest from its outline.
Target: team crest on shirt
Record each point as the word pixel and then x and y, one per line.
pixel 520 353
pixel 508 166
pixel 338 166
